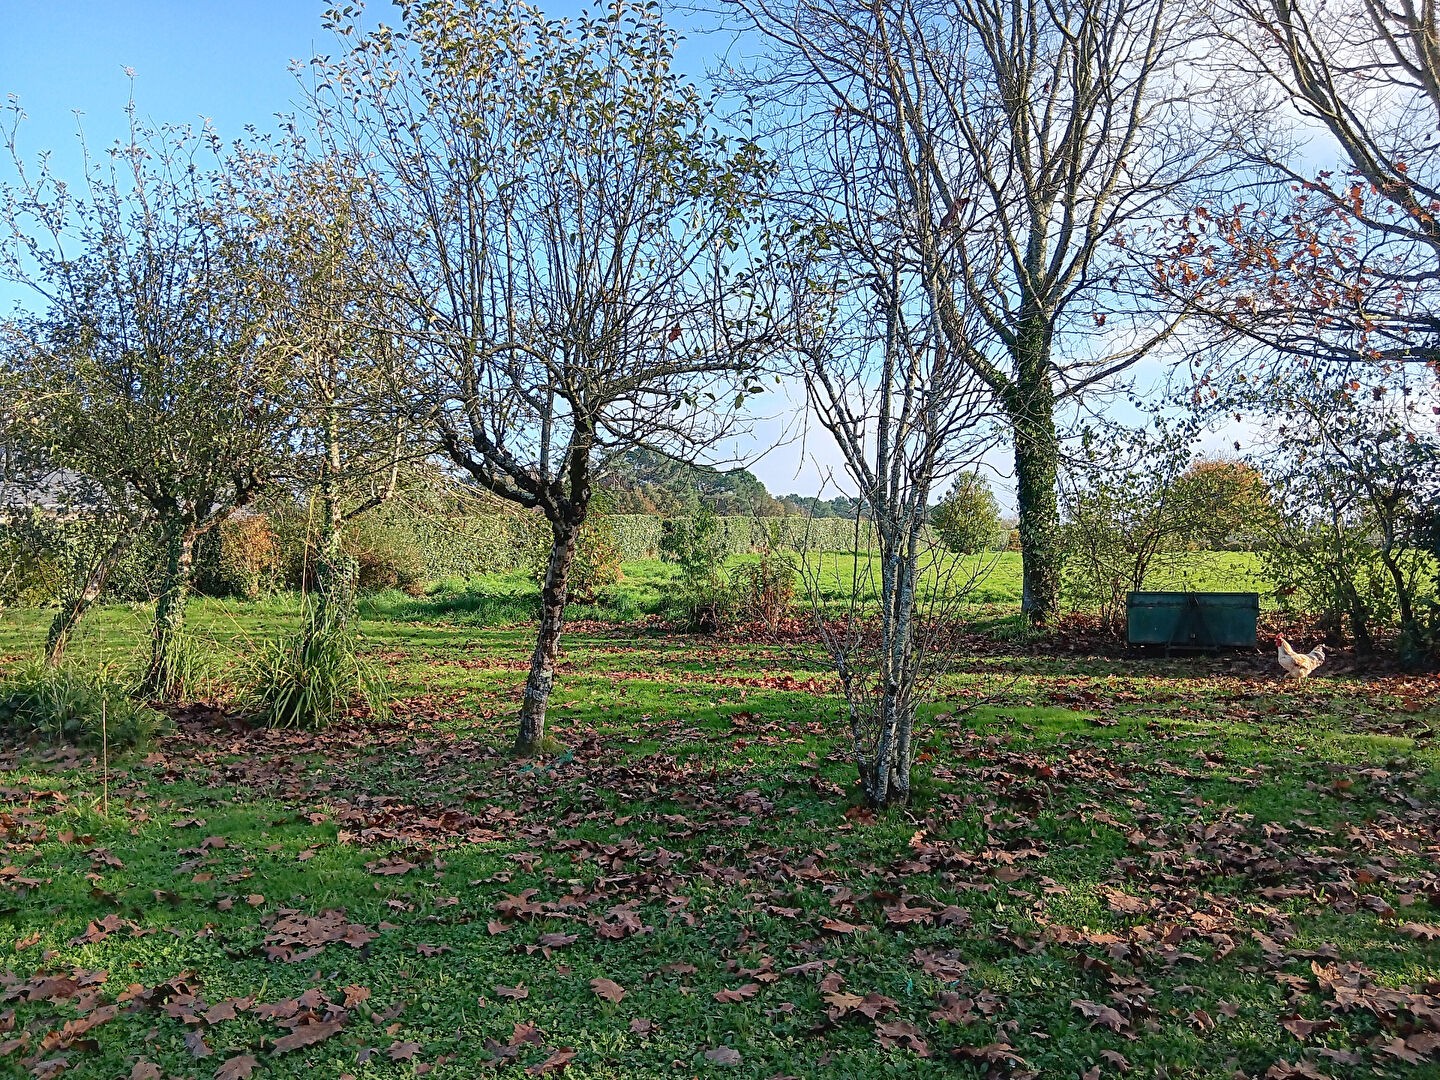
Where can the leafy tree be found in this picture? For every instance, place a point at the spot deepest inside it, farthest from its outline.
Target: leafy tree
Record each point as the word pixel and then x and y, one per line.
pixel 560 225
pixel 967 519
pixel 148 369
pixel 1227 502
pixel 1356 473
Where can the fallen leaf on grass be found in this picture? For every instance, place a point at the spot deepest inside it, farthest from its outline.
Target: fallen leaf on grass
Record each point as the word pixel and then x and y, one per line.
pixel 308 1035
pixel 607 989
pixel 237 1068
pixel 515 993
pixel 902 1034
pixel 641 1026
pixel 1302 1029
pixel 723 1055
pixel 1425 931
pixel 390 867
pixel 554 1063
pixel 1099 1014
pixel 145 1070
pixel 739 993
pixel 402 1051
pixel 1123 903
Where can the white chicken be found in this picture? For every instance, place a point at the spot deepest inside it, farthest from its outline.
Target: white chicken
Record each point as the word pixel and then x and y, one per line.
pixel 1298 665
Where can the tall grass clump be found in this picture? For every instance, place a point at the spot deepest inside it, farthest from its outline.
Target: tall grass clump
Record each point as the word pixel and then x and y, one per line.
pixel 311 677
pixel 67 704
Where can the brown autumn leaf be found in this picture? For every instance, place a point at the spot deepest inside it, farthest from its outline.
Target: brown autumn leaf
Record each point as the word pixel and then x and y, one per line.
pixel 308 1035
pixel 642 1026
pixel 354 995
pixel 1302 1029
pixel 901 1034
pixel 557 940
pixel 514 993
pixel 1099 1014
pixel 607 989
pixel 839 926
pixel 402 1051
pixel 1122 903
pixel 237 1068
pixel 1420 931
pixel 723 1055
pixel 390 867
pixel 145 1070
pixel 556 1062
pixel 196 1044
pixel 738 993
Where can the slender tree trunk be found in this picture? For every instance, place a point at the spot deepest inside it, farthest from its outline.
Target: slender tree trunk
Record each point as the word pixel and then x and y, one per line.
pixel 163 678
pixel 530 742
pixel 74 606
pixel 1037 456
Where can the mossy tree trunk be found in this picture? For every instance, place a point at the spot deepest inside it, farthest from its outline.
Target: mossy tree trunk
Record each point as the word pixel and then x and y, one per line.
pixel 165 677
pixel 1030 404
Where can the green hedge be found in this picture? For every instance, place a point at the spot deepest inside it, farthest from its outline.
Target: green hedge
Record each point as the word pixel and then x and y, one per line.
pixel 429 543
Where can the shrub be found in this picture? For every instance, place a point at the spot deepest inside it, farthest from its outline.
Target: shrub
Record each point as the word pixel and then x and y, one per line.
pixel 386 556
pixel 967 519
pixel 697 545
pixel 764 590
pixel 67 705
pixel 1127 516
pixel 240 557
pixel 309 678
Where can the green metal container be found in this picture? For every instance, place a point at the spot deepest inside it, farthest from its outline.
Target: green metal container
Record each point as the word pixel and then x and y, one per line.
pixel 1191 620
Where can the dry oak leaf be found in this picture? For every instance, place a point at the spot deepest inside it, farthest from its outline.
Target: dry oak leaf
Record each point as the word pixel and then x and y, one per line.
pixel 402 1051
pixel 607 989
pixel 308 1035
pixel 554 1063
pixel 739 993
pixel 237 1068
pixel 1099 1014
pixel 723 1055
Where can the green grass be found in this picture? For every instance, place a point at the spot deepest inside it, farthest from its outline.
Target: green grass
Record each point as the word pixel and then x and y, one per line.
pixel 695 840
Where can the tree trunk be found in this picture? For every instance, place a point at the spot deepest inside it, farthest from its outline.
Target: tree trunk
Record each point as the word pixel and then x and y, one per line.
pixel 73 607
pixel 531 742
pixel 165 677
pixel 1037 455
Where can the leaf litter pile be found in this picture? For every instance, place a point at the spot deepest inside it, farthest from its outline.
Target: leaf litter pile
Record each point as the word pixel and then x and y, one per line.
pixel 1109 871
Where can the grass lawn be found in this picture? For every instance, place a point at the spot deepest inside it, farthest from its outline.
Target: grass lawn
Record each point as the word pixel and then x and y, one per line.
pixel 1178 868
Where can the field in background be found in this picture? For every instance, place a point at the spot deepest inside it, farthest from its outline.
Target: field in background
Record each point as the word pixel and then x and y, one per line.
pixel 114 633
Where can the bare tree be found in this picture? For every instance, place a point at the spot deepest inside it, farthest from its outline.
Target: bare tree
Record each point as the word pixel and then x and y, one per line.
pixel 1035 138
pixel 903 405
pixel 1326 263
pixel 561 227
